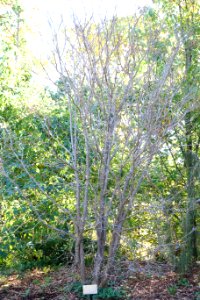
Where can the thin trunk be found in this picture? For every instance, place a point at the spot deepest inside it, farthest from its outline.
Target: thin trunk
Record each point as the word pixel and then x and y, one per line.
pixel 79 257
pixel 190 251
pixel 116 236
pixel 190 226
pixel 99 259
pixel 102 219
pixel 189 162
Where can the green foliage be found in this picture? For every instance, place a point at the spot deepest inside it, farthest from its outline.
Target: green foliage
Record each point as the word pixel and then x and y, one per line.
pixel 47 282
pixel 110 293
pixel 103 293
pixel 183 282
pixel 25 255
pixel 197 295
pixel 172 289
pixel 77 288
pixel 26 294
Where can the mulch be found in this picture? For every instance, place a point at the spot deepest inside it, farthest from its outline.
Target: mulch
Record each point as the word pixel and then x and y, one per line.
pixel 141 282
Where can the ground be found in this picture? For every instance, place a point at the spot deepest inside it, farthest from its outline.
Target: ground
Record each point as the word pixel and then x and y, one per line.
pixel 138 281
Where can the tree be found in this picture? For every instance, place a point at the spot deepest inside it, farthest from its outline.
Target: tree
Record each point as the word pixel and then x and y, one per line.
pixel 186 19
pixel 119 106
pixel 91 152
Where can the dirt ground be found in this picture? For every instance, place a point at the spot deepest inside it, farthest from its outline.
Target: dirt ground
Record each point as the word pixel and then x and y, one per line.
pixel 139 281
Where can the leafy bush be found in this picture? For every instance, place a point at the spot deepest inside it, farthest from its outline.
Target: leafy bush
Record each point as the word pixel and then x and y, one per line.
pixel 103 293
pixel 172 289
pixel 26 253
pixel 183 282
pixel 77 288
pixel 56 250
pixel 110 293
